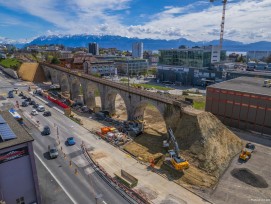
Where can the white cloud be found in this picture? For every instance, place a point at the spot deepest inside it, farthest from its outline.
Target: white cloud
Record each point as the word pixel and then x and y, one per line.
pixel 246 20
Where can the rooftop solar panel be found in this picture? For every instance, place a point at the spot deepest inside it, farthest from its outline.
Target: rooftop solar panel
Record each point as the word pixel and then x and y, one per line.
pixel 6 133
pixel 2 120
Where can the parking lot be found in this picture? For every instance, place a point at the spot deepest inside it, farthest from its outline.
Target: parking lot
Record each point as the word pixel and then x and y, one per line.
pixel 247 182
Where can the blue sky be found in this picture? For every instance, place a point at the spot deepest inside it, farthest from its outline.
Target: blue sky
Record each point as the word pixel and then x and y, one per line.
pixel 197 20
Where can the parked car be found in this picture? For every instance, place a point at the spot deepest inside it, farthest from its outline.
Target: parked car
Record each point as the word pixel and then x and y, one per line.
pixel 34 112
pixel 46 130
pixel 24 97
pixel 47 113
pixel 70 141
pixel 32 102
pixel 10 94
pixel 36 105
pixel 40 108
pixel 25 104
pixel 53 152
pixel 21 94
pixel 28 99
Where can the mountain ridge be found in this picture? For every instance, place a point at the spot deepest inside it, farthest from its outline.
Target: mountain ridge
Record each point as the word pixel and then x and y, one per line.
pixel 125 43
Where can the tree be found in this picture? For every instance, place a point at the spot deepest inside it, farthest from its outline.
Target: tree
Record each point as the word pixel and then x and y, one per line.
pixel 55 61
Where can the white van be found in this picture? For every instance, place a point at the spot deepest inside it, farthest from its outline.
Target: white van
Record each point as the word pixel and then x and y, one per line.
pixel 40 108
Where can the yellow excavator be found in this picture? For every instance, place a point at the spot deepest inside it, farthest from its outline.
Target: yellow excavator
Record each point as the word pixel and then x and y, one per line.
pixel 176 160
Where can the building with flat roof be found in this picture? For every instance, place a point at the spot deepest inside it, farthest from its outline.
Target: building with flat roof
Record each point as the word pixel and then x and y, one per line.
pixel 196 57
pixel 137 50
pixel 242 103
pixel 258 55
pixel 131 66
pixel 103 68
pixel 18 175
pixel 93 48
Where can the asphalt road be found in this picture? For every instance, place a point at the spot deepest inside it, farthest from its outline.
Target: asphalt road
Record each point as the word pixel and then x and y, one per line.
pixel 81 188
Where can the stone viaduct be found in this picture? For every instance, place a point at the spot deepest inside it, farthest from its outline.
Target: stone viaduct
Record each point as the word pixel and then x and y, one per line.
pixel 135 100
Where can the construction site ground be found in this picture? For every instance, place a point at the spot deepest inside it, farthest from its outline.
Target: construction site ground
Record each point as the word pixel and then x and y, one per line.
pixel 155 187
pixel 247 182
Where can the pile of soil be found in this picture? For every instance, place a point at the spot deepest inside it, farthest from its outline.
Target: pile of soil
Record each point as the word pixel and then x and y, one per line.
pixel 248 177
pixel 207 143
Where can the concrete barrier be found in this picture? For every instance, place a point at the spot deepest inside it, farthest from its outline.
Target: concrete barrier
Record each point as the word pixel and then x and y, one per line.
pixel 10 72
pixel 126 178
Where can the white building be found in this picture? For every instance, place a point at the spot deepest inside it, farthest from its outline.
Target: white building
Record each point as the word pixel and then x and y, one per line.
pixel 215 57
pixel 137 50
pixel 104 68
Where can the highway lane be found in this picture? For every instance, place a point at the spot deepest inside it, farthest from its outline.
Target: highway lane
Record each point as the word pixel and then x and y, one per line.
pixel 82 188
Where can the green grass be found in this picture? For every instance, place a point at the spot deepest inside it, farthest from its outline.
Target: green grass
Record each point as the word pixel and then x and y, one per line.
pixel 10 63
pixel 148 86
pixel 199 105
pixel 124 80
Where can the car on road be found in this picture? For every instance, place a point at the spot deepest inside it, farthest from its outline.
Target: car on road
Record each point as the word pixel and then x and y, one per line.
pixel 70 141
pixel 47 113
pixel 24 97
pixel 15 89
pixel 36 105
pixel 25 104
pixel 41 108
pixel 28 99
pixel 34 112
pixel 53 152
pixel 21 94
pixel 46 130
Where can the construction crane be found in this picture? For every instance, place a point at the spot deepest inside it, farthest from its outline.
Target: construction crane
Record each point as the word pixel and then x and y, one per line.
pixel 177 162
pixel 222 22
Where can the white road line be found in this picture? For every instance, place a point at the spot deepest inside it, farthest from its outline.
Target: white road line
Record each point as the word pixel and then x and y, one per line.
pixel 59 183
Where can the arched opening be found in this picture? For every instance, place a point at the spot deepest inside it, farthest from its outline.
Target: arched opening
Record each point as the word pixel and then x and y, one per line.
pixel 149 145
pixel 64 85
pixel 92 97
pixel 120 108
pixel 48 75
pixel 76 91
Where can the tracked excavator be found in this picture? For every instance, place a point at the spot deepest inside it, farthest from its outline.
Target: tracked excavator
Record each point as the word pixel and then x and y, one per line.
pixel 176 161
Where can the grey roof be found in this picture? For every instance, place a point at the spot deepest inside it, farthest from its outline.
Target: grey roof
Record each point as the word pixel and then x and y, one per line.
pixel 18 130
pixel 245 84
pixel 6 133
pixel 252 73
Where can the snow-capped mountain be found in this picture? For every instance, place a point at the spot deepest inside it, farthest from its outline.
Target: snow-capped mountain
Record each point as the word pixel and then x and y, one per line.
pixel 125 43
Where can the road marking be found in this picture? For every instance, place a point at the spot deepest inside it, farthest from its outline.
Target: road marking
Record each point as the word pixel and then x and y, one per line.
pixel 59 183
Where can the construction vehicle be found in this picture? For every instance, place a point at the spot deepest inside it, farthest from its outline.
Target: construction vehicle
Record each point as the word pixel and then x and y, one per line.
pixel 267 83
pixel 177 162
pixel 246 152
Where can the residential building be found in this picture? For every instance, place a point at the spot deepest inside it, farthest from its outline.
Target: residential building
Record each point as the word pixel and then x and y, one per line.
pixel 65 54
pixel 104 68
pixel 137 50
pixel 257 55
pixel 93 48
pixel 242 103
pixel 18 174
pixel 131 66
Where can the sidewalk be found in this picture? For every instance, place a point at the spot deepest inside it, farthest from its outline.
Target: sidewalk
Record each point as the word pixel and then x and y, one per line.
pixel 156 188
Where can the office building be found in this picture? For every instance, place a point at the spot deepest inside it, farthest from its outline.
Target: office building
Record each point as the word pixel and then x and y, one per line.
pixel 103 68
pixel 131 66
pixel 137 50
pixel 18 175
pixel 93 48
pixel 241 103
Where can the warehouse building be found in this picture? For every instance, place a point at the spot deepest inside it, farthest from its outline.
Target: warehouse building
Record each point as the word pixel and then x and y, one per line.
pixel 18 174
pixel 242 103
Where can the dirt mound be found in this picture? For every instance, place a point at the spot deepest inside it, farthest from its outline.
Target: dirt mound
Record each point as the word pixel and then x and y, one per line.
pixel 207 143
pixel 248 177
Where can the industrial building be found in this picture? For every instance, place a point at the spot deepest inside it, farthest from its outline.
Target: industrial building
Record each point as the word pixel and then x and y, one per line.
pixel 258 55
pixel 18 175
pixel 242 103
